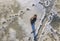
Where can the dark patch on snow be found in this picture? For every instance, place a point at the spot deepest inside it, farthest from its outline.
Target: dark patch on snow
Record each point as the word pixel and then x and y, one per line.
pixel 27 9
pixel 33 4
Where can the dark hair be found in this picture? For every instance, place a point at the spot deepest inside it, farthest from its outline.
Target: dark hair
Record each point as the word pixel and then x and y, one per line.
pixel 35 15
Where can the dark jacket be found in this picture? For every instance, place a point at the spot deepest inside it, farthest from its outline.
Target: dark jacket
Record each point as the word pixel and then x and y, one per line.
pixel 33 20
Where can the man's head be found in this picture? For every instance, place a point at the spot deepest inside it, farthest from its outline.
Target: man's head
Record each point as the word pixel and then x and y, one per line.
pixel 35 16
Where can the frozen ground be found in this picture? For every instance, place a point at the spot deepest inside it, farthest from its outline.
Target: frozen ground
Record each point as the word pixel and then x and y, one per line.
pixel 15 20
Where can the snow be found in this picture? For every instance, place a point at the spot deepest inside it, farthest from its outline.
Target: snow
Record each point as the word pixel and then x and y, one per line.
pixel 12 33
pixel 24 22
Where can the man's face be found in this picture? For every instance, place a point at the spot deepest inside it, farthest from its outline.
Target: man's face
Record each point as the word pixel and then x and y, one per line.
pixel 35 16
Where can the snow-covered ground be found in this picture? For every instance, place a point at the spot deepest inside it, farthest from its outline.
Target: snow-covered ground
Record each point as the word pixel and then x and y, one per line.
pixel 37 9
pixel 15 20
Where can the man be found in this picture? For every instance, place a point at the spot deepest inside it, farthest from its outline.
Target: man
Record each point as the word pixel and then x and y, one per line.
pixel 33 20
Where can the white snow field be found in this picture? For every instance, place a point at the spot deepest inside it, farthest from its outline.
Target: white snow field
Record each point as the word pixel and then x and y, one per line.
pixel 15 20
